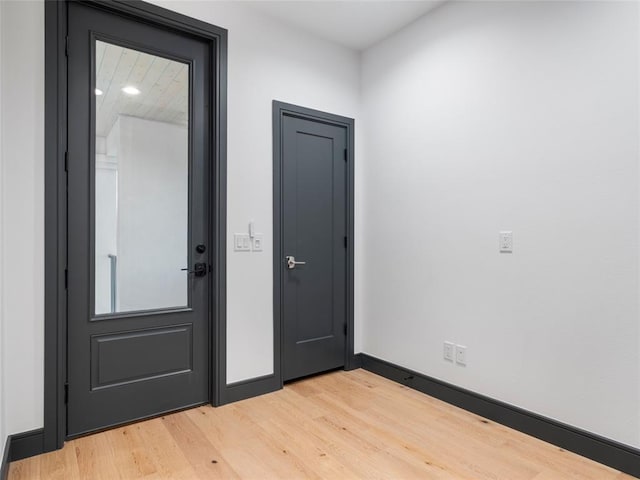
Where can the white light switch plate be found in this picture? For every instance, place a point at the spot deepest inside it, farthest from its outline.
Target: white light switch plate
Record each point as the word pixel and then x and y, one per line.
pixel 506 242
pixel 241 242
pixel 257 243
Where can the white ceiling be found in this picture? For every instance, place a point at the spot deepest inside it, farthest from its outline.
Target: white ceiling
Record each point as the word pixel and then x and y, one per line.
pixel 163 85
pixel 356 24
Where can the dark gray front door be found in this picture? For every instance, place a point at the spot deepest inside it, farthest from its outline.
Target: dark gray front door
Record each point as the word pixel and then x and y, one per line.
pixel 138 196
pixel 314 226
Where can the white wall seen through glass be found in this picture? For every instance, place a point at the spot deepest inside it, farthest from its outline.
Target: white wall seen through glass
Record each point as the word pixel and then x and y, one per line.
pixel 141 181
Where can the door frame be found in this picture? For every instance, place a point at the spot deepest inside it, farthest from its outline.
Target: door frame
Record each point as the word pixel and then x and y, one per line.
pixel 280 111
pixel 55 197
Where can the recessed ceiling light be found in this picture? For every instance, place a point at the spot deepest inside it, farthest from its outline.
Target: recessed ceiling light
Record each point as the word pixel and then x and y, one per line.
pixel 130 90
pixel 98 91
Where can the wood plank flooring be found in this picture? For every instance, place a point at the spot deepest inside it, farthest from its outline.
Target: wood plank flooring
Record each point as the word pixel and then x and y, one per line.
pixel 341 425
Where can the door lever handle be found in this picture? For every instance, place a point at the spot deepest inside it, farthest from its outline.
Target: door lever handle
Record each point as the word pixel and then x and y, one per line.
pixel 199 269
pixel 291 262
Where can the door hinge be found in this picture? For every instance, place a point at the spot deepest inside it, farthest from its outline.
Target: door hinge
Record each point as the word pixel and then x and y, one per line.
pixel 66 161
pixel 66 46
pixel 346 242
pixel 66 393
pixel 346 154
pixel 345 328
pixel 66 278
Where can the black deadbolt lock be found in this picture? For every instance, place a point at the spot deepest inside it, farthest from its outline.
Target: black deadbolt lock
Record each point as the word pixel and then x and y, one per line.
pixel 199 269
pixel 201 248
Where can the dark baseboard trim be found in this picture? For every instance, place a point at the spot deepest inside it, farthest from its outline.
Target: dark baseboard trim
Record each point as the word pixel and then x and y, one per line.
pixel 603 450
pixel 242 390
pixel 4 467
pixel 245 389
pixel 25 444
pixel 19 446
pixel 354 362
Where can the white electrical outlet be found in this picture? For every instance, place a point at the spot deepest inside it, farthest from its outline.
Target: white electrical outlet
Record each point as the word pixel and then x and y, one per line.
pixel 506 242
pixel 449 349
pixel 461 355
pixel 241 242
pixel 257 243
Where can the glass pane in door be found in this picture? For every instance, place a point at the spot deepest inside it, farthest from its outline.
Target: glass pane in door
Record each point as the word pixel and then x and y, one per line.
pixel 141 181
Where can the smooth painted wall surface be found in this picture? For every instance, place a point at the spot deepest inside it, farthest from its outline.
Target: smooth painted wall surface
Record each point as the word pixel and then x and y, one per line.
pixel 142 216
pixel 106 225
pixel 152 215
pixel 267 61
pixel 519 116
pixel 3 434
pixel 22 191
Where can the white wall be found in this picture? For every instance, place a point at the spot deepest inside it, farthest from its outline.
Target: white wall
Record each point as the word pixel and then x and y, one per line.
pixel 3 434
pixel 22 193
pixel 106 236
pixel 517 116
pixel 267 61
pixel 152 216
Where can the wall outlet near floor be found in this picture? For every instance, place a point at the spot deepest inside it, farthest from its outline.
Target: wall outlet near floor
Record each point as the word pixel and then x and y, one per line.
pixel 449 351
pixel 461 355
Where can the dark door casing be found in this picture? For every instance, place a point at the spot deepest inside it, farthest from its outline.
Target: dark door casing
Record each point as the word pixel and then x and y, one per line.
pixel 128 366
pixel 314 235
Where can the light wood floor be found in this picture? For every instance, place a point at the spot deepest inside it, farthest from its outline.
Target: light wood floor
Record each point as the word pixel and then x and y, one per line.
pixel 340 425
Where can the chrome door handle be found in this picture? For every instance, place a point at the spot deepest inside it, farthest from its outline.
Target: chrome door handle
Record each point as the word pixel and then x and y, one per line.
pixel 291 262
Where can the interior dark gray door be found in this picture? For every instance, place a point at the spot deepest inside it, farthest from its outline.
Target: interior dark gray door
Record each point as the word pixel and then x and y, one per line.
pixel 314 226
pixel 138 196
